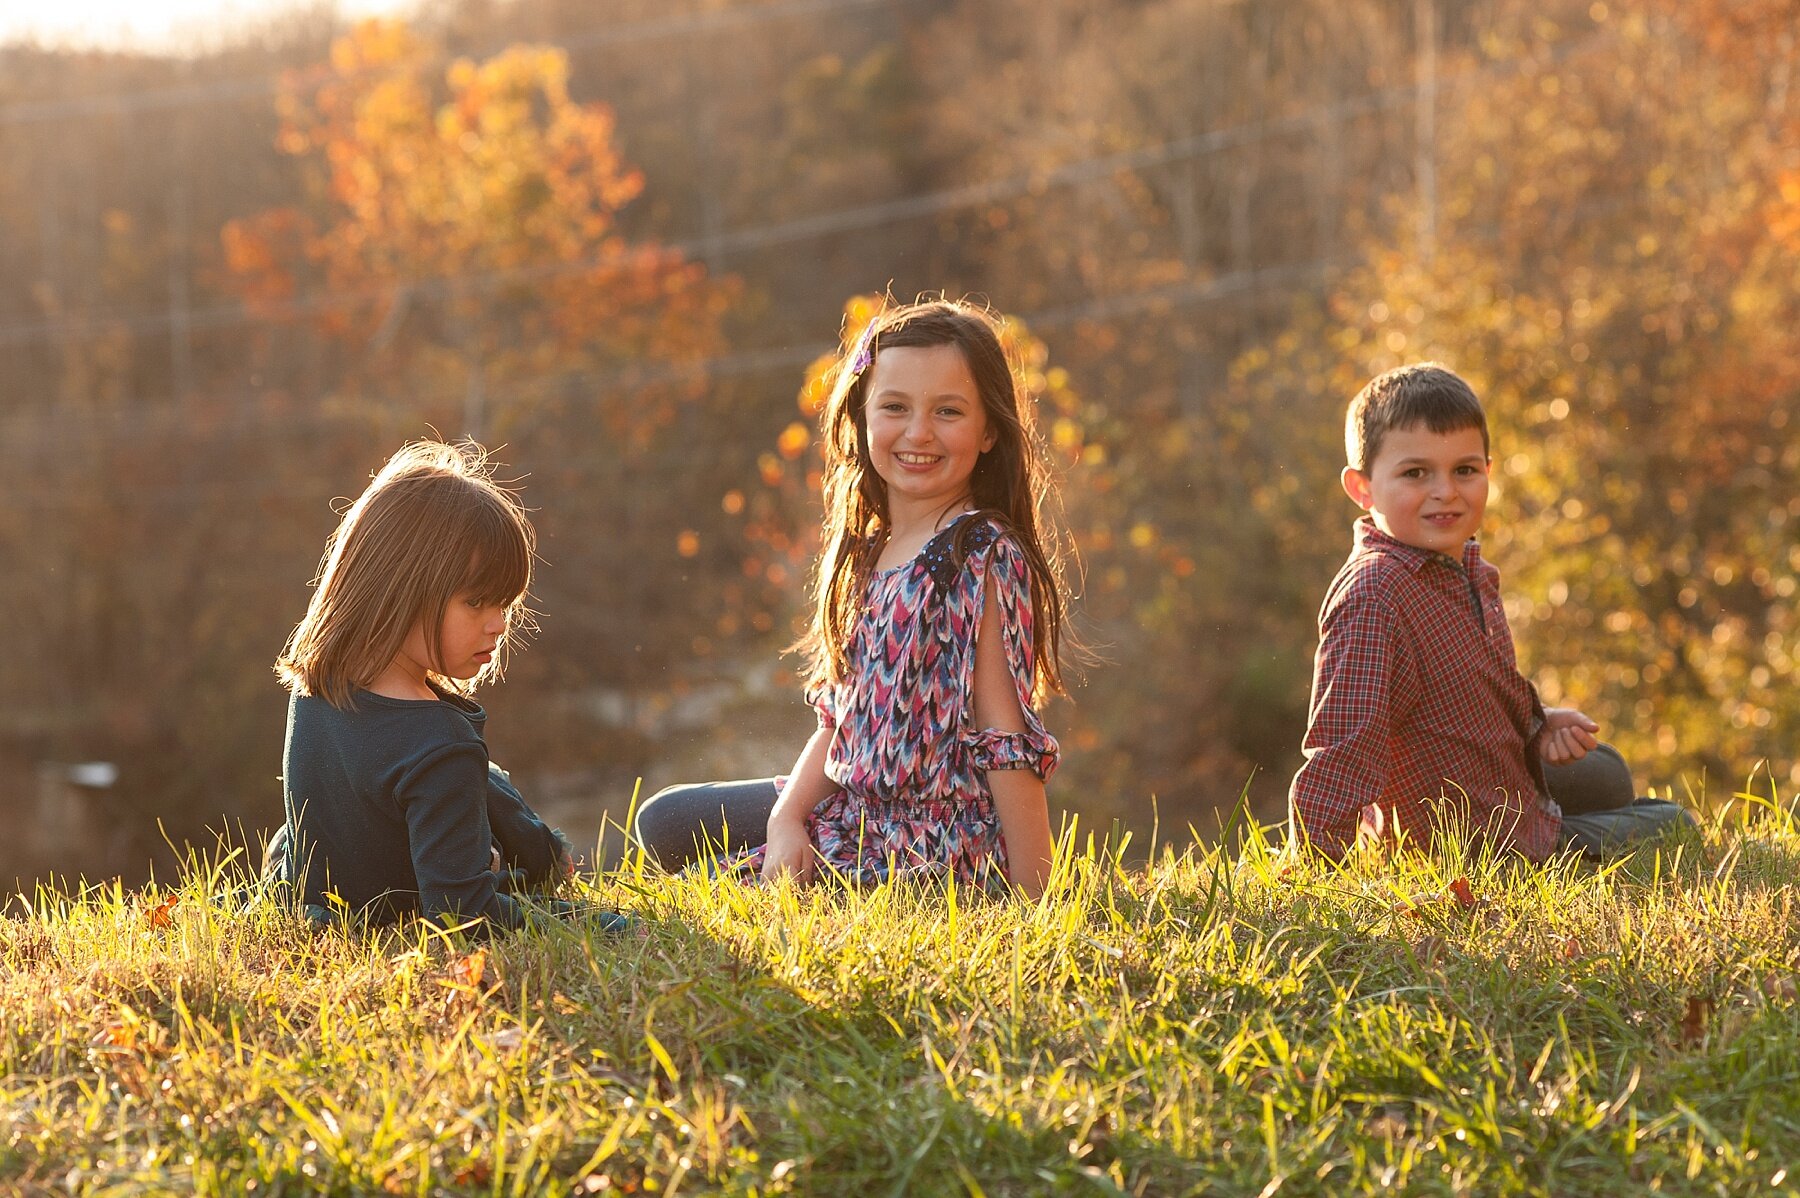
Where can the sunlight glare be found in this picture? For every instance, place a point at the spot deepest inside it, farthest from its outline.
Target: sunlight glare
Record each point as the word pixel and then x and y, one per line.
pixel 162 25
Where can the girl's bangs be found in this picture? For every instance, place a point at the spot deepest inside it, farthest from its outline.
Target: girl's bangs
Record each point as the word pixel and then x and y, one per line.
pixel 499 562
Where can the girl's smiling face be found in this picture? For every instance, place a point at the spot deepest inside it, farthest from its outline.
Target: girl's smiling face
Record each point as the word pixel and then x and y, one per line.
pixel 926 425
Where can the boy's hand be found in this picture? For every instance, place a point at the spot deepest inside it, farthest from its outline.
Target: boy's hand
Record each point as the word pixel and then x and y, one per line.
pixel 1567 735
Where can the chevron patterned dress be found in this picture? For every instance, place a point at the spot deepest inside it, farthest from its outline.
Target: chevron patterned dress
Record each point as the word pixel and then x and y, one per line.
pixel 905 747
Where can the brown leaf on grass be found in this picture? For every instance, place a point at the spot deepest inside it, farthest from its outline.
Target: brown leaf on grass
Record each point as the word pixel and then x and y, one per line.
pixel 1780 987
pixel 1571 949
pixel 117 1034
pixel 1416 904
pixel 506 1041
pixel 1386 1125
pixel 467 971
pixel 476 1172
pixel 159 916
pixel 1096 1147
pixel 1693 1024
pixel 1427 951
pixel 1459 892
pixel 625 1182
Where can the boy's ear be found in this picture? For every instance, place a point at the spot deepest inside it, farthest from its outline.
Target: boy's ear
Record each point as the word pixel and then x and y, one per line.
pixel 1356 486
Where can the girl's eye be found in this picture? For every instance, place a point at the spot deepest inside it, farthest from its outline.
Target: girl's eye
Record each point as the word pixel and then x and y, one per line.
pixel 1415 472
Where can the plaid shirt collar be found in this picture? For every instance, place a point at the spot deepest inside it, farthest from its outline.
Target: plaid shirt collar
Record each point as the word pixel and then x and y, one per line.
pixel 1370 539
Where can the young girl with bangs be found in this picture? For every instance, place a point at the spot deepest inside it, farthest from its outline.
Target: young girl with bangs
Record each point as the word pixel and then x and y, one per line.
pixel 392 806
pixel 938 613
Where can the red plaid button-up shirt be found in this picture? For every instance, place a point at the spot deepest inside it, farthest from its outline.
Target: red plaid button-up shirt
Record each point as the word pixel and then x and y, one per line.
pixel 1418 706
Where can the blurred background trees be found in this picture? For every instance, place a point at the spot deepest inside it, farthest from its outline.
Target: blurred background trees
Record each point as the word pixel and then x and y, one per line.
pixel 616 244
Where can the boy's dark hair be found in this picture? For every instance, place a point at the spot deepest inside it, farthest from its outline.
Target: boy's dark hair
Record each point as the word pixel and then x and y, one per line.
pixel 1408 396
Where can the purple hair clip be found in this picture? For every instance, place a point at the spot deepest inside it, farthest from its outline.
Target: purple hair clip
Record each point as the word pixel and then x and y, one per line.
pixel 864 351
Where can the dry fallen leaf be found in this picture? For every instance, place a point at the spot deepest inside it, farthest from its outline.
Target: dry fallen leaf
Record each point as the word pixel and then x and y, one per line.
pixel 505 1041
pixel 1388 1125
pixel 1693 1024
pixel 1428 950
pixel 468 970
pixel 159 915
pixel 1463 892
pixel 117 1035
pixel 476 1172
pixel 1571 949
pixel 1415 905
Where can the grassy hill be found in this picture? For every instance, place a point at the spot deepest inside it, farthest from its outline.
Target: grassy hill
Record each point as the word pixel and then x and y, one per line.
pixel 1210 1024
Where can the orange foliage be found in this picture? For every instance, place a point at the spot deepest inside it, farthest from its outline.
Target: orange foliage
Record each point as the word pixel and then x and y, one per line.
pixel 1611 267
pixel 462 231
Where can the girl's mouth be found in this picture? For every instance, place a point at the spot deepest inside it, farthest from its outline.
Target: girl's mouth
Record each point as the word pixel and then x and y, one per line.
pixel 916 461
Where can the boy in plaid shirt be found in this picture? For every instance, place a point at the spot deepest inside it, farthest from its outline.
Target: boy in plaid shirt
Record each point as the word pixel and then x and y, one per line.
pixel 1420 719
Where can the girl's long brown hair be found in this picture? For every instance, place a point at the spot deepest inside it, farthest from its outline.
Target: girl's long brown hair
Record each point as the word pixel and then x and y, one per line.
pixel 432 525
pixel 1011 482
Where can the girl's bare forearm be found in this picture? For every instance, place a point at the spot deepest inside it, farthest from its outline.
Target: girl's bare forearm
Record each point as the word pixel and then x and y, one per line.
pixel 807 784
pixel 1024 813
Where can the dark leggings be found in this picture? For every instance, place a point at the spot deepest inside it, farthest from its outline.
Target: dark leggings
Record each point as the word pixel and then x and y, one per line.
pixel 679 824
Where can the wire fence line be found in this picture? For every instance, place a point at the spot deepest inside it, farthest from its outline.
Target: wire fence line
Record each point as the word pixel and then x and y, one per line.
pixel 845 220
pixel 27 433
pixel 1315 121
pixel 163 99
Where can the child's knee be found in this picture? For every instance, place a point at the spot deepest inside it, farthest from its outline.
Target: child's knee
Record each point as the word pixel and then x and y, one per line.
pixel 1599 781
pixel 659 816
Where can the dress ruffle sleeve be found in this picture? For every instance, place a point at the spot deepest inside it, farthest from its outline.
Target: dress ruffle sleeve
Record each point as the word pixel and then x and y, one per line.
pixel 822 697
pixel 992 748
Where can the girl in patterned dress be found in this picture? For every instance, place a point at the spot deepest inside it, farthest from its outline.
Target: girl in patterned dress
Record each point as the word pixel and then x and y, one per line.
pixel 938 615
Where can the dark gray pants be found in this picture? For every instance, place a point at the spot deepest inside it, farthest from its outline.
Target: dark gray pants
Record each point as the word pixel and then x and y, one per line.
pixel 1602 812
pixel 679 824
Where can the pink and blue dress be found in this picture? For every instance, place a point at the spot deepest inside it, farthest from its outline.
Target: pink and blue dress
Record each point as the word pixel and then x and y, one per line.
pixel 906 749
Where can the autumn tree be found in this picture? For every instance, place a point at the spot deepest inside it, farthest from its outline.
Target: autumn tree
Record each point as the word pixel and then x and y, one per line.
pixel 461 238
pixel 1609 260
pixel 460 254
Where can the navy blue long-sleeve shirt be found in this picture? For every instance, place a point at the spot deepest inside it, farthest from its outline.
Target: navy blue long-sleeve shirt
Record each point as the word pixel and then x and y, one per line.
pixel 395 808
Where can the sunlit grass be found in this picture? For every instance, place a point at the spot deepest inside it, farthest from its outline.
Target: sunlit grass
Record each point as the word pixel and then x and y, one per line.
pixel 1215 1022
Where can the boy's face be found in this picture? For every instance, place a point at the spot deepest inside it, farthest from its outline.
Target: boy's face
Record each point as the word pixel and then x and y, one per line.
pixel 1425 489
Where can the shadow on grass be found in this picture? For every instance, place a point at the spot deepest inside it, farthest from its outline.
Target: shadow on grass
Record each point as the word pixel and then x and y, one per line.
pixel 1211 1024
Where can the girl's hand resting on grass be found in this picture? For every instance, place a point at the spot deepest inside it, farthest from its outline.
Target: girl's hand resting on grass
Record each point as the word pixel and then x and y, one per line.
pixel 1567 735
pixel 789 851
